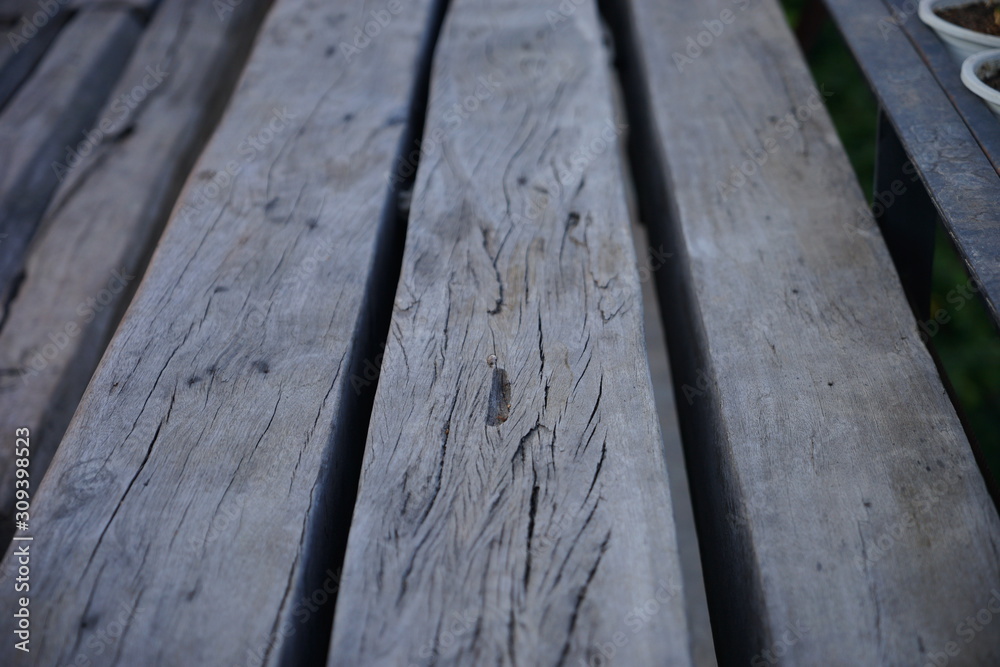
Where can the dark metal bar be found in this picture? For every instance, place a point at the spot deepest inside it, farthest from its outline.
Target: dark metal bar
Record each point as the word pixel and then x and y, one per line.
pixel 906 216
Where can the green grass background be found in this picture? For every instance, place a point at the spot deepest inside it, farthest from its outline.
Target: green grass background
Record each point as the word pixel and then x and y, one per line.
pixel 968 346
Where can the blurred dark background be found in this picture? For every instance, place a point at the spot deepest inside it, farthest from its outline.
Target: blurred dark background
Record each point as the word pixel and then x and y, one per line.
pixel 968 346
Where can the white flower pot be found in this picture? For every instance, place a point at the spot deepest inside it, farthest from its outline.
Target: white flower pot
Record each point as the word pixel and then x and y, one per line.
pixel 976 68
pixel 961 42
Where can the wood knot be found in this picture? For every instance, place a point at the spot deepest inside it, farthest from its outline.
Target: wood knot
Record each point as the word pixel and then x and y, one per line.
pixel 498 408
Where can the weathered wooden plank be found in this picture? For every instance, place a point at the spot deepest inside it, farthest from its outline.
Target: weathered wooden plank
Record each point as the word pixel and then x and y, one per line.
pixel 25 34
pixel 221 9
pixel 977 115
pixel 28 28
pixel 516 513
pixel 842 516
pixel 113 206
pixel 37 12
pixel 47 118
pixel 960 178
pixel 12 11
pixel 695 603
pixel 19 55
pixel 199 486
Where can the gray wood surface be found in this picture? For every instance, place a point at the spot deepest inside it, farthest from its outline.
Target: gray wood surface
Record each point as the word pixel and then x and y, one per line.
pixel 695 602
pixel 515 513
pixel 23 45
pixel 652 260
pixel 13 10
pixel 952 137
pixel 28 28
pixel 195 485
pixel 48 116
pixel 842 516
pixel 104 221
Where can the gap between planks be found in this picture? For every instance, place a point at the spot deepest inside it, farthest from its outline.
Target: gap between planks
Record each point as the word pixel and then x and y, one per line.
pixel 536 529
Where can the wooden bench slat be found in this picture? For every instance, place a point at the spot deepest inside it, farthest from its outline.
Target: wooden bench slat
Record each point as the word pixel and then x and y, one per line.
pixel 106 218
pixel 11 11
pixel 515 514
pixel 49 114
pixel 195 485
pixel 961 179
pixel 19 55
pixel 28 27
pixel 981 122
pixel 841 512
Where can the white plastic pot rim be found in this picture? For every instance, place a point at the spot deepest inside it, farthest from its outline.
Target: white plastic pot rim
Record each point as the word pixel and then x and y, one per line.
pixel 927 15
pixel 970 75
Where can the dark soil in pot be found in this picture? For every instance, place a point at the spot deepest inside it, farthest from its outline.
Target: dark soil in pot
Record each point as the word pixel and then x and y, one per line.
pixel 993 81
pixel 979 16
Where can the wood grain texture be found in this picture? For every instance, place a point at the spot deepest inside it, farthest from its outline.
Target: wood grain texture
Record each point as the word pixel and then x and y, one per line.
pixel 934 124
pixel 19 54
pixel 695 602
pixel 106 218
pixel 842 517
pixel 28 28
pixel 192 489
pixel 517 513
pixel 979 119
pixel 47 116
